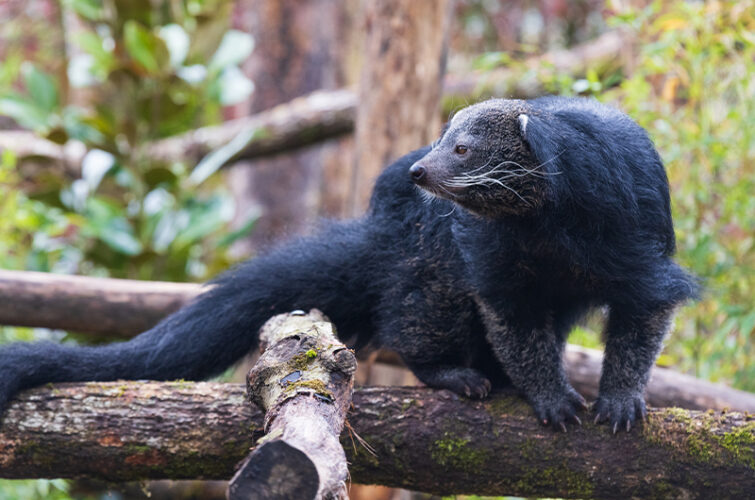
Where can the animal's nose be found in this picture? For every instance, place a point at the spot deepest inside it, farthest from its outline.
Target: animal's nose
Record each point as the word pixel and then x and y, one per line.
pixel 417 172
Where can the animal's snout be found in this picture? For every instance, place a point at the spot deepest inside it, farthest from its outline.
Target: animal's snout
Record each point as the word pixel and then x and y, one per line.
pixel 418 172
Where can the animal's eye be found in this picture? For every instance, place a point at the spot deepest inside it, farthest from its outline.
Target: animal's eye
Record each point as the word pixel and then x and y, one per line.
pixel 460 149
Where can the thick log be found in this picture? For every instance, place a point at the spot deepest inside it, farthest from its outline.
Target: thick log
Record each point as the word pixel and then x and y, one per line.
pixel 303 381
pixel 125 308
pixel 422 440
pixel 89 305
pixel 325 115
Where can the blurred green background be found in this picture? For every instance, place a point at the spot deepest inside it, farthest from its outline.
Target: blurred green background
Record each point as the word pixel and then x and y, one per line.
pixel 140 70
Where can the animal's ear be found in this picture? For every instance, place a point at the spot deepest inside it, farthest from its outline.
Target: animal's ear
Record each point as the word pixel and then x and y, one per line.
pixel 523 119
pixel 541 135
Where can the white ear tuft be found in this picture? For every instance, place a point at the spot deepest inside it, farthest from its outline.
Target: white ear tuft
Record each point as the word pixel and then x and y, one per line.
pixel 523 119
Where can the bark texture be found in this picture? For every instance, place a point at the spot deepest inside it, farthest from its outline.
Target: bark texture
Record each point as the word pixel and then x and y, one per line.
pixel 400 86
pixel 125 308
pixel 293 124
pixel 296 53
pixel 422 440
pixel 304 382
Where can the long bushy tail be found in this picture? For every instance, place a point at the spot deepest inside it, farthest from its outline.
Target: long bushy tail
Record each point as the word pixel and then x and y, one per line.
pixel 221 325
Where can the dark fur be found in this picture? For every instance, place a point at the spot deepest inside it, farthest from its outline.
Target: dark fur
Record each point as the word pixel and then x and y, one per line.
pixel 484 287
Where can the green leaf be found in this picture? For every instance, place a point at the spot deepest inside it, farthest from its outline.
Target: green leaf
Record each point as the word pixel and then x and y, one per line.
pixel 145 48
pixel 88 9
pixel 42 88
pixel 242 232
pixel 204 219
pixel 118 235
pixel 24 111
pixel 214 160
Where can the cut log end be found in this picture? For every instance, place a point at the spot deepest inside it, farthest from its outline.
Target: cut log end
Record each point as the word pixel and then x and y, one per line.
pixel 275 471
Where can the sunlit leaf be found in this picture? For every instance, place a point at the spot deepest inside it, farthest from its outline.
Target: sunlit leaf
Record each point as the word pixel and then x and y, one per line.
pixel 95 165
pixel 177 41
pixel 234 86
pixel 234 49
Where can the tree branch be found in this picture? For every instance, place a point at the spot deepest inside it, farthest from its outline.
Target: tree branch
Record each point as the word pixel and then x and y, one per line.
pixel 423 440
pixel 325 114
pixel 127 307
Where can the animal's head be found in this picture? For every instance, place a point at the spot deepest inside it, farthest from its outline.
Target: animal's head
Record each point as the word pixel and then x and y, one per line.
pixel 490 159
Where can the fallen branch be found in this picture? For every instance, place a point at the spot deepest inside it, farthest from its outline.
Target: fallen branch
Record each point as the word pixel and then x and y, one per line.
pixel 303 381
pixel 126 307
pixel 423 440
pixel 326 114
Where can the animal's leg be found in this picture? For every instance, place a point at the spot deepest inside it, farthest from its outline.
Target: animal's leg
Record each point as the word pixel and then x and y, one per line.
pixel 531 354
pixel 633 341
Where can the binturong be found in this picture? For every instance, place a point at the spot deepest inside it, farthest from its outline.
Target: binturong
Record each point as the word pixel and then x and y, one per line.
pixel 475 259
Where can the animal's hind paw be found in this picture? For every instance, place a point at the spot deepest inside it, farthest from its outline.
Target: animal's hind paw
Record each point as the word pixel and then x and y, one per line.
pixel 559 408
pixel 468 382
pixel 621 409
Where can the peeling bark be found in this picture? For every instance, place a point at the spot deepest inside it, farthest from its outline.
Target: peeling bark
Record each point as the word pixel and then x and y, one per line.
pixel 303 381
pixel 423 440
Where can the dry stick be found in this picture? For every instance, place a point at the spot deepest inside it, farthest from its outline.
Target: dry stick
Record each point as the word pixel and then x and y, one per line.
pixel 304 382
pixel 319 116
pixel 125 307
pixel 423 440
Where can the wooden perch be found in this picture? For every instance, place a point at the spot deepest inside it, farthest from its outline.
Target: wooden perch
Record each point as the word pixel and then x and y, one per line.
pixel 324 114
pixel 126 307
pixel 303 381
pixel 88 305
pixel 423 440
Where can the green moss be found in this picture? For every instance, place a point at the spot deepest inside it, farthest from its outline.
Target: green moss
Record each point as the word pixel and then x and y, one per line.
pixel 311 354
pixel 698 441
pixel 559 477
pixel 529 449
pixel 662 490
pixel 316 385
pixel 507 405
pixel 741 444
pixel 456 453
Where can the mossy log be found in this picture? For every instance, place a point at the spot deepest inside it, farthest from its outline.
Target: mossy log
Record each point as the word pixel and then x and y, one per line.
pixel 303 381
pixel 421 439
pixel 113 307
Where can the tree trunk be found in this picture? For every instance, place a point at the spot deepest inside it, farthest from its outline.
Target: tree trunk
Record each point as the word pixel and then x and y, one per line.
pixel 422 439
pixel 400 87
pixel 295 54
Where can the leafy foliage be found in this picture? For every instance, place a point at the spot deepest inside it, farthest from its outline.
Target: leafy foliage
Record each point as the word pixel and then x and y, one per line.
pixel 139 73
pixel 692 88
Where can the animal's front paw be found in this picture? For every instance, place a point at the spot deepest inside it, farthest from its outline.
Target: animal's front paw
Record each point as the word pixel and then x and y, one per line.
pixel 558 407
pixel 621 409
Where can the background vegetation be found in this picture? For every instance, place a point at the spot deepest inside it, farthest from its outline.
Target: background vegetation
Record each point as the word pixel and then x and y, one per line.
pixel 136 72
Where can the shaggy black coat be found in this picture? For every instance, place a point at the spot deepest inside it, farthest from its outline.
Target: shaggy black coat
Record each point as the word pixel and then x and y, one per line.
pixel 538 211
